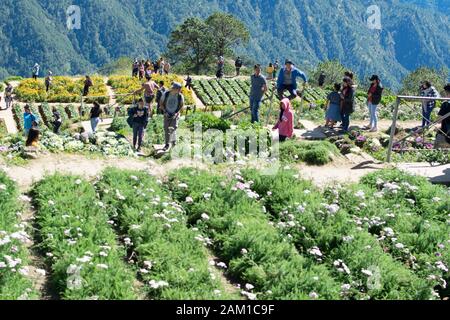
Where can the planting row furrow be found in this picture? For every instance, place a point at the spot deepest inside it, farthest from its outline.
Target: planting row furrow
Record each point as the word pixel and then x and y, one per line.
pixel 14 256
pixel 81 245
pixel 253 249
pixel 329 233
pixel 172 259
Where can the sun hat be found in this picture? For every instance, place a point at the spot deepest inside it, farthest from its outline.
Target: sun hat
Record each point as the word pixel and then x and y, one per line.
pixel 176 85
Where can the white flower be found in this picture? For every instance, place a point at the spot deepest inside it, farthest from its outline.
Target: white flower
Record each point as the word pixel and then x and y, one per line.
pixel 205 216
pixel 360 194
pixel 102 266
pixel 103 254
pixel 143 271
pixel 78 181
pixel 367 272
pixel 345 287
pixel 3 187
pixel 127 241
pixel 221 265
pixel 73 269
pixel 315 251
pixel 134 178
pixel 158 284
pixel 249 287
pixel 436 199
pixel 84 259
pixel 333 208
pixel 2 265
pixel 51 202
pixel 244 251
pixel 212 263
pixel 441 266
pixel 41 272
pixel 182 185
pixel 148 264
pixel 207 196
pixel 306 192
pixel 24 271
pixel 399 245
pixel 313 295
pixel 189 200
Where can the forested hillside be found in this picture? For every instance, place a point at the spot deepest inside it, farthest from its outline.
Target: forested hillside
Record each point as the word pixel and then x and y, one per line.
pixel 306 31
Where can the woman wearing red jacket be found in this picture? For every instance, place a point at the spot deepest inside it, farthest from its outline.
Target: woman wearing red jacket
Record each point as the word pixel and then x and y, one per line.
pixel 285 124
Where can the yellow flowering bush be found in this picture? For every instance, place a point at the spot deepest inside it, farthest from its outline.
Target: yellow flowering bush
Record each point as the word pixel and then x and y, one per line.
pixel 63 90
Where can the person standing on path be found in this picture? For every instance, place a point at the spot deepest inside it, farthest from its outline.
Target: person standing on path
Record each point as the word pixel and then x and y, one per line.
pixel 374 96
pixel 257 91
pixel 48 81
pixel 276 67
pixel 36 71
pixel 220 67
pixel 238 65
pixel 167 67
pixel 87 85
pixel 287 80
pixel 188 82
pixel 95 114
pixel 443 136
pixel 8 95
pixel 322 78
pixel 347 102
pixel 139 118
pixel 270 70
pixel 428 90
pixel 285 124
pixel 135 68
pixel 333 114
pixel 149 88
pixel 28 119
pixel 159 95
pixel 172 104
pixel 57 120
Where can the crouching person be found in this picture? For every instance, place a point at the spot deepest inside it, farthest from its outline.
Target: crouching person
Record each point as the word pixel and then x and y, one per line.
pixel 172 103
pixel 139 121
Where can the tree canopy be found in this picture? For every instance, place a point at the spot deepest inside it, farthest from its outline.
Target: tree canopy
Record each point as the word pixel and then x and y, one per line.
pixel 196 43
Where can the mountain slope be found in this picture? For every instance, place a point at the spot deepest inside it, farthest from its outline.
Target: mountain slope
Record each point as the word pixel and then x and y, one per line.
pixel 412 35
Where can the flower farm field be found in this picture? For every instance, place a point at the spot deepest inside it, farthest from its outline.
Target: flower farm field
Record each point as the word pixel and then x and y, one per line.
pixel 129 235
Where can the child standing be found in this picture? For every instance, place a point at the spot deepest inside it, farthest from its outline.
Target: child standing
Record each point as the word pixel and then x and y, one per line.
pixel 285 124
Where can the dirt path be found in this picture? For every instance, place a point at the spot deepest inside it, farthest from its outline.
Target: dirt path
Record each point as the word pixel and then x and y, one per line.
pixel 7 115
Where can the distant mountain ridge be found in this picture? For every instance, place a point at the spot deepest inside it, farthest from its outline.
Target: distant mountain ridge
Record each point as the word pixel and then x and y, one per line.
pixel 413 33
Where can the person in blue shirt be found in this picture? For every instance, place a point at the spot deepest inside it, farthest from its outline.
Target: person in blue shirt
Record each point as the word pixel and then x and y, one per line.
pixel 287 80
pixel 28 119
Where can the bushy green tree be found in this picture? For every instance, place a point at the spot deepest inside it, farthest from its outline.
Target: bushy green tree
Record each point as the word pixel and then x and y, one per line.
pixel 226 32
pixel 190 44
pixel 411 83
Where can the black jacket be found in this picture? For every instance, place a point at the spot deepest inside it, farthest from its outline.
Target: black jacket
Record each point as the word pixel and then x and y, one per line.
pixel 376 96
pixel 141 119
pixel 348 102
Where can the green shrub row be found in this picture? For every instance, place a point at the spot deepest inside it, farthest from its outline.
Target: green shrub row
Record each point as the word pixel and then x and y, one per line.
pixel 173 263
pixel 81 246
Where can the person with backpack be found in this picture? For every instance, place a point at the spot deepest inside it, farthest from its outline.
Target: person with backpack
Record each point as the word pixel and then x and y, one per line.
pixel 428 90
pixel 172 104
pixel 8 95
pixel 443 136
pixel 374 96
pixel 36 71
pixel 159 95
pixel 287 80
pixel 285 124
pixel 149 88
pixel 347 102
pixel 138 118
pixel 258 89
pixel 57 120
pixel 95 114
pixel 238 64
pixel 87 85
pixel 48 81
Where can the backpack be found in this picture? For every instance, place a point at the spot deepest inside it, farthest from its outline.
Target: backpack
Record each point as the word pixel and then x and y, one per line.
pixel 180 101
pixel 130 116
